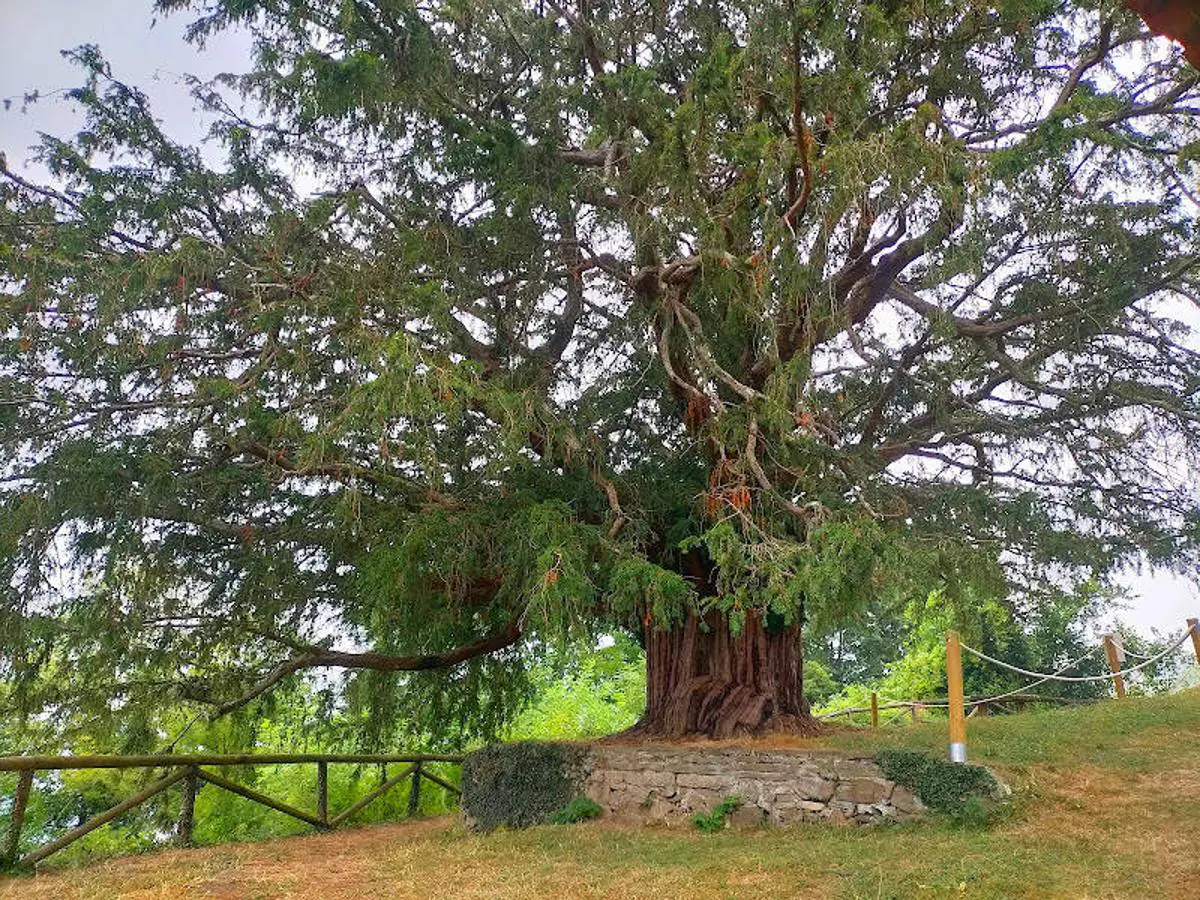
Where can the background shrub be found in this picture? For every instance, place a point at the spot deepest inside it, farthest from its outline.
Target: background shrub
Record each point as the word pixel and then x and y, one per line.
pixel 519 785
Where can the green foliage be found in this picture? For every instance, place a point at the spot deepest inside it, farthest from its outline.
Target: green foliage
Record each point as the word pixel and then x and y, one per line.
pixel 587 694
pixel 819 685
pixel 520 785
pixel 1101 759
pixel 900 653
pixel 941 785
pixel 574 327
pixel 578 810
pixel 58 803
pixel 718 818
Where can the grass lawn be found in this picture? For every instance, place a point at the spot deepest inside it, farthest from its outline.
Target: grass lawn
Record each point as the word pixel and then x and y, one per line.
pixel 1107 804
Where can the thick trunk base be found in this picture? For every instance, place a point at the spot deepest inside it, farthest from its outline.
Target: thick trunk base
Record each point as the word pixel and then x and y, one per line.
pixel 707 682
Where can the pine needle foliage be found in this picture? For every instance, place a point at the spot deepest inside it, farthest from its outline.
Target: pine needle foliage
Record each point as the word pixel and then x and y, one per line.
pixel 474 328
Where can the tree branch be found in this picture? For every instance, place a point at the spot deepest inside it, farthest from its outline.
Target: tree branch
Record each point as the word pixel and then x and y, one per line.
pixel 318 657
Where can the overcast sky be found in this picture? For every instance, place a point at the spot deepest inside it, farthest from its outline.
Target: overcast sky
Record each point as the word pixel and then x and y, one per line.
pixel 154 57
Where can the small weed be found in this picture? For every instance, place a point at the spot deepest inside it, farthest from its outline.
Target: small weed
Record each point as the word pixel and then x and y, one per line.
pixel 718 819
pixel 578 810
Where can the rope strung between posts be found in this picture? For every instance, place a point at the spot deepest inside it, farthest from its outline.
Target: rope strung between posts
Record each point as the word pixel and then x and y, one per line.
pixel 942 704
pixel 1079 678
pixel 1072 664
pixel 1129 652
pixel 1042 678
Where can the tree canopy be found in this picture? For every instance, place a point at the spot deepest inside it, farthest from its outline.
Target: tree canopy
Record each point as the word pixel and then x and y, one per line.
pixel 476 328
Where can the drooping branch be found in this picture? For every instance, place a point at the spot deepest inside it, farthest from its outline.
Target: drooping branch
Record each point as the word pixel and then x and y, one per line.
pixel 344 472
pixel 319 657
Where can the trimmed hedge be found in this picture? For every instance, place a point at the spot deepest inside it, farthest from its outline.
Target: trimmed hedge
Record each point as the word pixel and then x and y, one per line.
pixel 520 785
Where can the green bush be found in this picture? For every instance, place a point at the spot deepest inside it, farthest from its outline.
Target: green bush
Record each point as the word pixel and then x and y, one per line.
pixel 942 786
pixel 718 819
pixel 578 810
pixel 519 785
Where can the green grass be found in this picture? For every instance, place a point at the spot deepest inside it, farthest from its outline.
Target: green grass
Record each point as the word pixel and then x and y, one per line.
pixel 1098 734
pixel 1107 804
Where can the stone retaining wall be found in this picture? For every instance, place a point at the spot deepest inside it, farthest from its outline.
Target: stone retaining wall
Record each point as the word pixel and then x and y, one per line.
pixel 777 787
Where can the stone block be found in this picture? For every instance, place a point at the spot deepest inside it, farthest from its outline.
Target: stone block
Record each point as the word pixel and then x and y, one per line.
pixel 707 781
pixel 905 801
pixel 643 778
pixel 864 790
pixel 695 800
pixel 781 816
pixel 856 768
pixel 813 788
pixel 839 812
pixel 748 814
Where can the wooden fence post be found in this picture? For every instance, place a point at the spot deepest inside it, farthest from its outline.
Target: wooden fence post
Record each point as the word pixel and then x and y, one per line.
pixel 874 710
pixel 12 847
pixel 912 710
pixel 954 683
pixel 323 792
pixel 1194 624
pixel 1114 665
pixel 414 791
pixel 187 808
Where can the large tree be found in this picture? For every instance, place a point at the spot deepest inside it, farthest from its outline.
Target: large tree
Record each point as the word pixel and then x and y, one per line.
pixel 499 324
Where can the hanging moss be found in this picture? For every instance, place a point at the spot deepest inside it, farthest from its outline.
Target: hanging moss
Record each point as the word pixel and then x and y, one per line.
pixel 520 785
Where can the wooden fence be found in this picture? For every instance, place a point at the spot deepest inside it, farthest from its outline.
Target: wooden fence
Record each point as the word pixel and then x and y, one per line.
pixel 190 770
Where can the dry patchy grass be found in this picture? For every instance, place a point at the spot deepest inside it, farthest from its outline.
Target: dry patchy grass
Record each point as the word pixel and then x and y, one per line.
pixel 1108 806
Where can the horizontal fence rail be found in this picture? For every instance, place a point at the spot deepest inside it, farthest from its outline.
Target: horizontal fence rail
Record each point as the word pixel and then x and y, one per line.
pixel 190 770
pixel 48 763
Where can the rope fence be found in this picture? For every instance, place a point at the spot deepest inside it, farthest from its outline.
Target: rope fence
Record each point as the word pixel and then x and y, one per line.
pixel 1079 679
pixel 957 704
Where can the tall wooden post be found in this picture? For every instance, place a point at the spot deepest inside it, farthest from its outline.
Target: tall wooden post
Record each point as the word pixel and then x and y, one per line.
pixel 12 846
pixel 187 808
pixel 954 684
pixel 1194 624
pixel 912 711
pixel 1114 665
pixel 414 791
pixel 874 710
pixel 323 791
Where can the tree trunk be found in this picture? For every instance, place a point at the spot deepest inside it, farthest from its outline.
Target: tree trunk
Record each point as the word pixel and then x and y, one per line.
pixel 706 681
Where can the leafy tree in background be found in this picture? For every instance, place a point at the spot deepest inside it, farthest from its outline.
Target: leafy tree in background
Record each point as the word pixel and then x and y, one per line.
pixel 901 654
pixel 501 326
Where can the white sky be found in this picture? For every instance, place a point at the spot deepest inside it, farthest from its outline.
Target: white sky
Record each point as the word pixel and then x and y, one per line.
pixel 154 58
